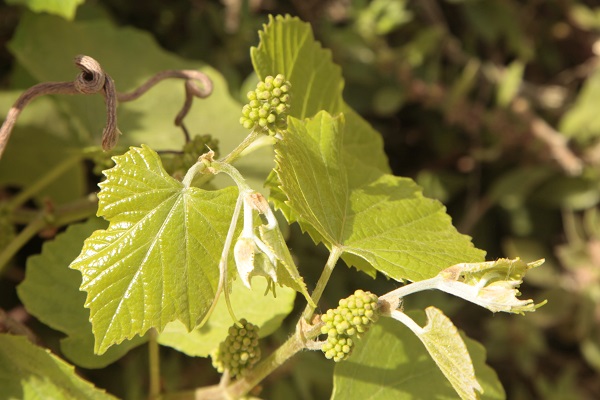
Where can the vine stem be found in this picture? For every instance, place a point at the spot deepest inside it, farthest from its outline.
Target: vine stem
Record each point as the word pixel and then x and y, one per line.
pixel 334 256
pixel 292 346
pixel 228 159
pixel 237 389
pixel 235 153
pixel 154 364
pixel 419 286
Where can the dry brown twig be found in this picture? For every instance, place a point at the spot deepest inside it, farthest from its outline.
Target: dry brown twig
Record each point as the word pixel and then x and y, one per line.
pixel 92 80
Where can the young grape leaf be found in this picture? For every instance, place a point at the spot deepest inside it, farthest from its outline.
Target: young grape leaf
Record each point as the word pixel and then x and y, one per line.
pixel 378 219
pixel 262 310
pixel 158 259
pixel 31 372
pixel 287 46
pixel 50 292
pixel 390 362
pixel 63 8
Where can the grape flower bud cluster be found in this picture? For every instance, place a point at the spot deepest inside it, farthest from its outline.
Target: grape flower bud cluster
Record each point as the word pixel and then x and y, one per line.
pixel 239 351
pixel 353 317
pixel 268 105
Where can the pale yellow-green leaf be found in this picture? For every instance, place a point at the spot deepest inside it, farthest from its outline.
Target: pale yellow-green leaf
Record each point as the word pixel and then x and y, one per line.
pixel 448 350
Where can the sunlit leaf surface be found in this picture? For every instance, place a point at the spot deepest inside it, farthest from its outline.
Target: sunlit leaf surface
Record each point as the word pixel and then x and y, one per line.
pixel 158 260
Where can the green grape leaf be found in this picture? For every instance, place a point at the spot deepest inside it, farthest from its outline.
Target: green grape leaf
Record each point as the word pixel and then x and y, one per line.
pixel 253 304
pixel 31 372
pixel 287 46
pixel 376 218
pixel 50 292
pixel 317 82
pixel 62 8
pixel 360 138
pixel 158 259
pixel 390 362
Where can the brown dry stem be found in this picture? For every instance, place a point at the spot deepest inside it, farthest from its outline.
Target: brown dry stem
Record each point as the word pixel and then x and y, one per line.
pixel 91 80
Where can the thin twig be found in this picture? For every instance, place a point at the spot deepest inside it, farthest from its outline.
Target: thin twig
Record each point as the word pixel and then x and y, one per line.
pixel 191 88
pixel 92 80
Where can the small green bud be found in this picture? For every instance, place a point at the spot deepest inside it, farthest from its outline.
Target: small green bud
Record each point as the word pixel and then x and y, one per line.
pixel 281 108
pixel 278 81
pixel 271 97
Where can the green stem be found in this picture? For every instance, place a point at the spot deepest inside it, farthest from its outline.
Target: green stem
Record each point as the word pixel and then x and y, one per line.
pixel 221 166
pixel 154 361
pixel 334 256
pixel 192 172
pixel 20 240
pixel 237 389
pixel 44 181
pixel 235 153
pixel 419 286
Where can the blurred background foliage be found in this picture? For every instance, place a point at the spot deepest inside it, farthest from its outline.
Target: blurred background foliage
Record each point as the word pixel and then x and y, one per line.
pixel 493 107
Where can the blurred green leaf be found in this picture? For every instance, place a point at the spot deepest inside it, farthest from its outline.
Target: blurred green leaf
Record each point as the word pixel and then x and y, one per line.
pixel 574 193
pixel 494 21
pixel 50 292
pixel 510 82
pixel 130 57
pixel 254 305
pixel 31 372
pixel 63 8
pixel 381 17
pixel 581 121
pixel 43 134
pixel 586 17
pixel 514 188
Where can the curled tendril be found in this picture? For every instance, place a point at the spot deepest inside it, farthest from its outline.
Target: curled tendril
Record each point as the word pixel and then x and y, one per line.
pixel 91 80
